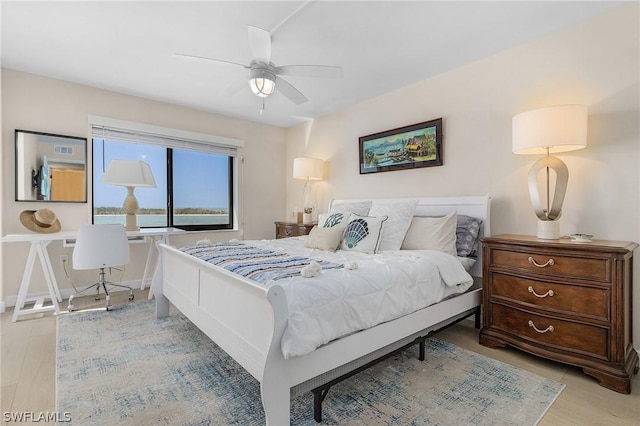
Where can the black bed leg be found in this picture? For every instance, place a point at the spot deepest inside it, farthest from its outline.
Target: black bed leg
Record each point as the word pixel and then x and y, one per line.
pixel 478 318
pixel 318 396
pixel 421 356
pixel 317 406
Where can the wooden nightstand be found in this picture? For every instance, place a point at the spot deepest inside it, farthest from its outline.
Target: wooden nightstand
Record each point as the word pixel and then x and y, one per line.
pixel 562 300
pixel 292 229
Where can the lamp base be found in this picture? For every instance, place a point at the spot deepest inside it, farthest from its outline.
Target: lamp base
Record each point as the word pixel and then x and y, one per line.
pixel 131 223
pixel 307 218
pixel 548 229
pixel 131 207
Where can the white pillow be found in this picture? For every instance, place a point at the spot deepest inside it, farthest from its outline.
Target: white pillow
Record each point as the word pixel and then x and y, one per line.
pixel 327 239
pixel 363 233
pixel 395 229
pixel 336 219
pixel 344 206
pixel 432 233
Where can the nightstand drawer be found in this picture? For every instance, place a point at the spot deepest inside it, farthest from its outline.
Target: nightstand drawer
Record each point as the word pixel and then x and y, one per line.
pixel 292 229
pixel 552 332
pixel 553 264
pixel 569 299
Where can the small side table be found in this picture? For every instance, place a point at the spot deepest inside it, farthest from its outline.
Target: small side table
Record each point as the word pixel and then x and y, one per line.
pixel 293 229
pixel 562 300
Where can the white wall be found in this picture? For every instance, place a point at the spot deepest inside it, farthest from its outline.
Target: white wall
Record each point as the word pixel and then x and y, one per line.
pixel 596 64
pixel 31 102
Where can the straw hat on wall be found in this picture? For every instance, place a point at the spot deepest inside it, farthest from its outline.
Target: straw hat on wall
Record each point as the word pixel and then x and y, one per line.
pixel 43 221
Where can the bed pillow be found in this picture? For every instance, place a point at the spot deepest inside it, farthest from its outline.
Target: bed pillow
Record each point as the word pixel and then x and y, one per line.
pixel 432 233
pixel 331 220
pixel 363 233
pixel 327 239
pixel 395 228
pixel 467 233
pixel 358 207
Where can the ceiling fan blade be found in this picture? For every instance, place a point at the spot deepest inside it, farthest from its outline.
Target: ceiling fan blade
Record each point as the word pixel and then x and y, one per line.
pixel 204 58
pixel 290 92
pixel 320 71
pixel 260 44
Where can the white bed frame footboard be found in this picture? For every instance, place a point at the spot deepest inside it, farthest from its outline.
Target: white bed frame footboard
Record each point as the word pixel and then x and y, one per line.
pixel 248 320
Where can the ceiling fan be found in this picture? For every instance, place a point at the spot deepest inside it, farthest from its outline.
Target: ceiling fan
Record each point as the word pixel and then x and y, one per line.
pixel 264 75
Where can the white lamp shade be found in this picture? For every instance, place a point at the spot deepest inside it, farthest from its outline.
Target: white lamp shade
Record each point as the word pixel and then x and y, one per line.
pixel 308 168
pixel 553 129
pixel 129 173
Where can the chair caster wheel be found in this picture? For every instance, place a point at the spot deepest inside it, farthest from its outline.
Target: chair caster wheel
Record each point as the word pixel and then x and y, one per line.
pixel 109 308
pixel 131 297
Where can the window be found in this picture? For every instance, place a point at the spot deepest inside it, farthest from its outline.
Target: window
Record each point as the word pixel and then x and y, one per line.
pixel 194 181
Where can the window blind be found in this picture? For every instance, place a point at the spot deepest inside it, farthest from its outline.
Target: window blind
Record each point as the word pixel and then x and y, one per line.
pixel 119 130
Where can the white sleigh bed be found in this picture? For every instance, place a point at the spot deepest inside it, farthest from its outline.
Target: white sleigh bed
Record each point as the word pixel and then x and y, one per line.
pixel 247 320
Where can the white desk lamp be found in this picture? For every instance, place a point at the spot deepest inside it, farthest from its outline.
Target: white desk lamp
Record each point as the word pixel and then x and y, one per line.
pixel 307 169
pixel 547 131
pixel 129 173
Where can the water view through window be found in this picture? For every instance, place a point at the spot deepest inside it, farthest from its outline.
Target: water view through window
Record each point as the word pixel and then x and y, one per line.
pixel 201 189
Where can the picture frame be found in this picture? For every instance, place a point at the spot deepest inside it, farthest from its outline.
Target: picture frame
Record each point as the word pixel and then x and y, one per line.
pixel 408 147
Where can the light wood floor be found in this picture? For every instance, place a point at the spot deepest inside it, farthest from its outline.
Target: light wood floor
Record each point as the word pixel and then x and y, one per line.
pixel 27 358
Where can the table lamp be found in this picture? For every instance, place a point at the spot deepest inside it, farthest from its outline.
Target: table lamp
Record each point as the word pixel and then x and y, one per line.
pixel 129 173
pixel 548 131
pixel 307 169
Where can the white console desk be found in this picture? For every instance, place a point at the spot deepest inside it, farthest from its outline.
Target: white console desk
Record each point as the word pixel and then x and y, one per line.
pixel 39 243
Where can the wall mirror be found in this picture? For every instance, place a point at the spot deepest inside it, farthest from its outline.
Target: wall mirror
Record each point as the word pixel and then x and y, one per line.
pixel 50 167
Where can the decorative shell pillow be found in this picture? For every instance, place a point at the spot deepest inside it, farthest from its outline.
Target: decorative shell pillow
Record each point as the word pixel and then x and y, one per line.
pixel 333 220
pixel 363 233
pixel 340 212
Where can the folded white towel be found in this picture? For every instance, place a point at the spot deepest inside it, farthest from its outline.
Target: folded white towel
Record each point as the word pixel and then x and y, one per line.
pixel 311 270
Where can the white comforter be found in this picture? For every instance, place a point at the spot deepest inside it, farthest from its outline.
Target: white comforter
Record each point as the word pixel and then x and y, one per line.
pixel 385 286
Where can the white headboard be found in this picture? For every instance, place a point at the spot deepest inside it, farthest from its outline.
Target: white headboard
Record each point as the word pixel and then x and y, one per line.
pixel 474 206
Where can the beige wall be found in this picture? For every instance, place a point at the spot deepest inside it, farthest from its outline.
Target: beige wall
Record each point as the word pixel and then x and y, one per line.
pixel 596 64
pixel 31 102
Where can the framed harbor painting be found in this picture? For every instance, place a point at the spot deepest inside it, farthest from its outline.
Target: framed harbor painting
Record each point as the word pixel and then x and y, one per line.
pixel 409 147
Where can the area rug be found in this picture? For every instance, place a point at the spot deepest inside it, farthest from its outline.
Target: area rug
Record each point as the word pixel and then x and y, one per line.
pixel 127 368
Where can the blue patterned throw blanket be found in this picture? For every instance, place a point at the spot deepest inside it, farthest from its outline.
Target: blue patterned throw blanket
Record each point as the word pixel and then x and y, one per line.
pixel 254 263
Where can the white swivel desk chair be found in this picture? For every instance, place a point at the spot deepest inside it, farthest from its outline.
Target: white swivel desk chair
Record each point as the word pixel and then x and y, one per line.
pixel 100 247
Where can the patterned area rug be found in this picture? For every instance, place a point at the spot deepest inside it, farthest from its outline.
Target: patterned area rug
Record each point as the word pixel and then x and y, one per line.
pixel 127 368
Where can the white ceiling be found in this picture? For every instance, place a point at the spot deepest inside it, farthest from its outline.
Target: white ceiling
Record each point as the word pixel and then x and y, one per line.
pixel 129 47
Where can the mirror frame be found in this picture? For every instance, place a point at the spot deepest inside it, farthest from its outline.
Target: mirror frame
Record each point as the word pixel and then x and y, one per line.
pixel 36 180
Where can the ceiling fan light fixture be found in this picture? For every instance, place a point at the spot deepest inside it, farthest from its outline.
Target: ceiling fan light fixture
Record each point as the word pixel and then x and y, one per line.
pixel 262 82
pixel 262 87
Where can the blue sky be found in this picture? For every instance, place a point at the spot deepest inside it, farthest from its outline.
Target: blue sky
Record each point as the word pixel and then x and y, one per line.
pixel 200 179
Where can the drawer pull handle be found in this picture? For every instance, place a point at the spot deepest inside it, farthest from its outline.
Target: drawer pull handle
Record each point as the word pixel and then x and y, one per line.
pixel 549 293
pixel 287 232
pixel 549 262
pixel 532 325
